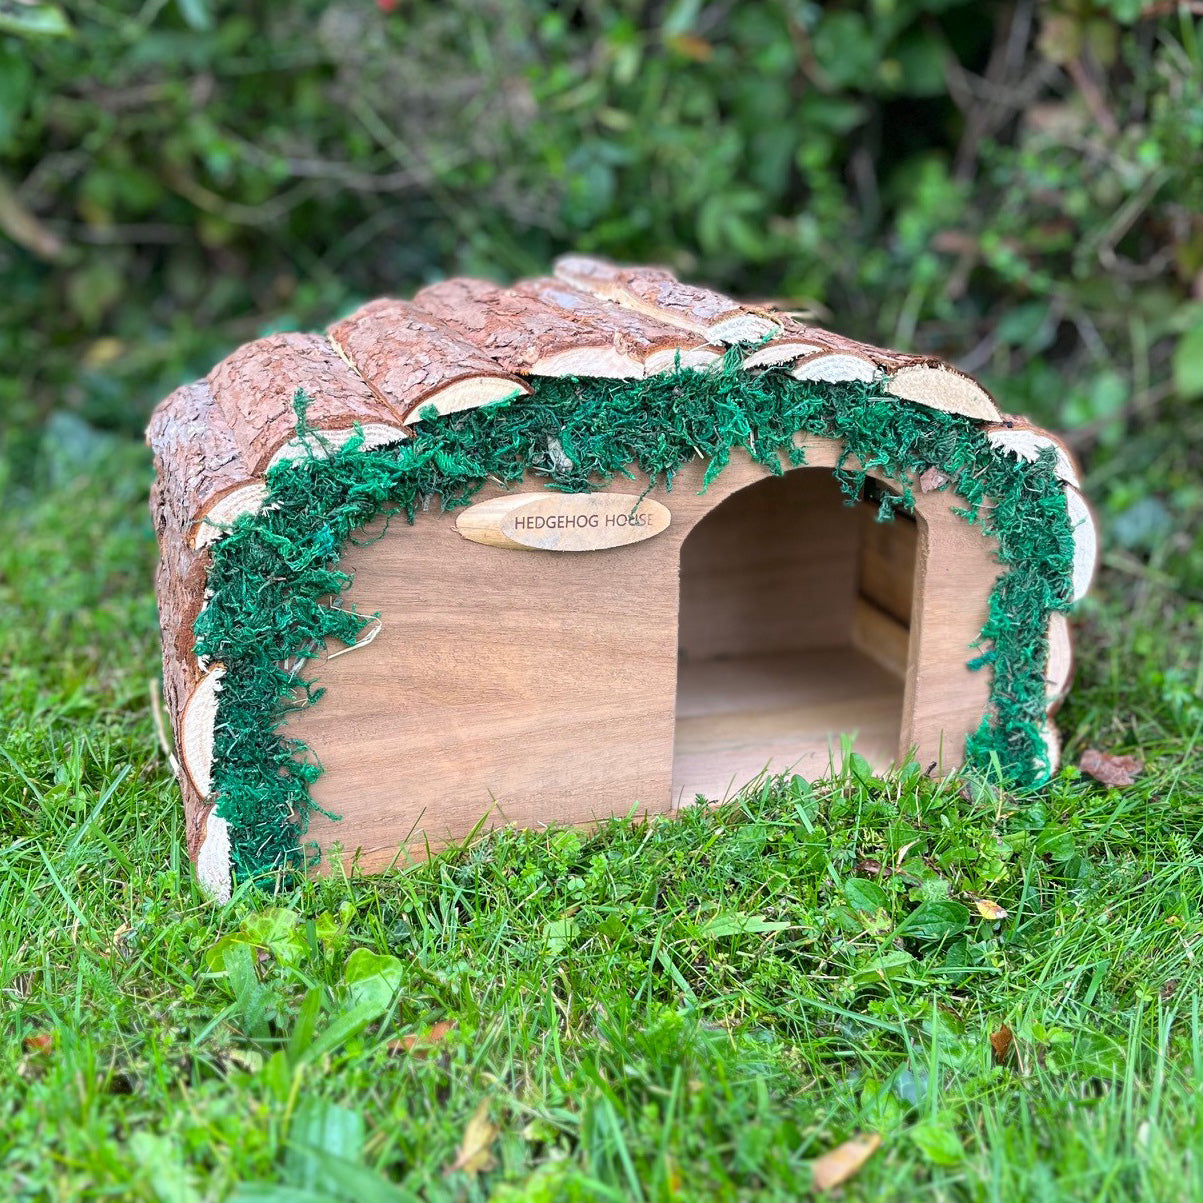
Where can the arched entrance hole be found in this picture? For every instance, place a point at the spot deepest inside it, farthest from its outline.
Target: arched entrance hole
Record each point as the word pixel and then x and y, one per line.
pixel 794 631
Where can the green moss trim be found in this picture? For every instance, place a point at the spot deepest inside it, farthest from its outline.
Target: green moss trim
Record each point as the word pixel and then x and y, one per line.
pixel 273 575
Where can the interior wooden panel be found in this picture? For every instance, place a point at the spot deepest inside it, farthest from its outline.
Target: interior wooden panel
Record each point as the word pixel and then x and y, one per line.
pixel 881 637
pixel 781 713
pixel 887 561
pixel 772 569
pixel 536 686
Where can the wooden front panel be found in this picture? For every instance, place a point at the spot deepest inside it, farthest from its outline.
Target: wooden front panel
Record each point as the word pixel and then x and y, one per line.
pixel 539 686
pixel 533 684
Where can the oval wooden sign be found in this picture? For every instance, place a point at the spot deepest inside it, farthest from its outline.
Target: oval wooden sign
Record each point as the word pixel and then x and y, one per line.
pixel 564 521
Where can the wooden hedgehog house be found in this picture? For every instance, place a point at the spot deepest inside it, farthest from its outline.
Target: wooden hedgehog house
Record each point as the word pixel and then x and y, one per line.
pixel 589 545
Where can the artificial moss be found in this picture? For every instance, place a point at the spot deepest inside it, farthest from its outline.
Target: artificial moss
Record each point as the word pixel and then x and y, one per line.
pixel 273 576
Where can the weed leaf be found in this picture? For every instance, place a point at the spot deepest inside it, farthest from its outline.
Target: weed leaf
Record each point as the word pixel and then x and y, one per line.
pixel 936 920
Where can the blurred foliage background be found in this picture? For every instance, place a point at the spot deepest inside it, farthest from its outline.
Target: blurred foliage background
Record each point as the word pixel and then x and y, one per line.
pixel 1015 186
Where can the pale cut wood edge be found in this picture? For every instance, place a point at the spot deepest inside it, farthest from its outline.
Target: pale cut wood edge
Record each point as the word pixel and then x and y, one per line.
pixel 939 386
pixel 473 392
pixel 1052 744
pixel 777 354
pixel 603 363
pixel 746 328
pixel 196 736
pixel 212 865
pixel 1059 670
pixel 325 442
pixel 226 510
pixel 255 387
pixel 1027 442
pixel 827 341
pixel 1086 544
pixel 835 367
pixel 480 523
pixel 700 359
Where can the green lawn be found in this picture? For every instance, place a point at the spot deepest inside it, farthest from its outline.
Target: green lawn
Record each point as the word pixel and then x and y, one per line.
pixel 690 1009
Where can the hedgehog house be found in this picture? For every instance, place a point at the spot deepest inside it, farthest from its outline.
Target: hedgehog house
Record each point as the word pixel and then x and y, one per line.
pixel 588 545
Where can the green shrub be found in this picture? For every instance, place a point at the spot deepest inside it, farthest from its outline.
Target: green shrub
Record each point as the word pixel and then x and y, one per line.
pixel 1015 186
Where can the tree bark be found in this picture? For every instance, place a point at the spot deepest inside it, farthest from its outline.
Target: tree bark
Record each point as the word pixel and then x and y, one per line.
pixel 412 360
pixel 655 343
pixel 526 336
pixel 256 385
pixel 659 294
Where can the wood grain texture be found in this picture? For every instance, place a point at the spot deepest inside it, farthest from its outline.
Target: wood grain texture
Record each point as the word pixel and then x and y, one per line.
pixel 955 570
pixel 1052 745
pixel 197 728
pixel 835 367
pixel 527 336
pixel 213 858
pixel 939 386
pixel 478 697
pixel 780 352
pixel 1059 669
pixel 659 294
pixel 227 509
pixel 256 385
pixel 180 582
pixel 412 360
pixel 828 342
pixel 538 687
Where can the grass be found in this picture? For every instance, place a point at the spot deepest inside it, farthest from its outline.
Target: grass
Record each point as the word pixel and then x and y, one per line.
pixel 689 1009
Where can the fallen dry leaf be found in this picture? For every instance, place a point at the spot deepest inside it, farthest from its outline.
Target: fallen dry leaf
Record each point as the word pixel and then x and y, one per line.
pixel 989 909
pixel 837 1166
pixel 40 1043
pixel 474 1156
pixel 1110 770
pixel 689 45
pixel 1001 1043
pixel 419 1043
